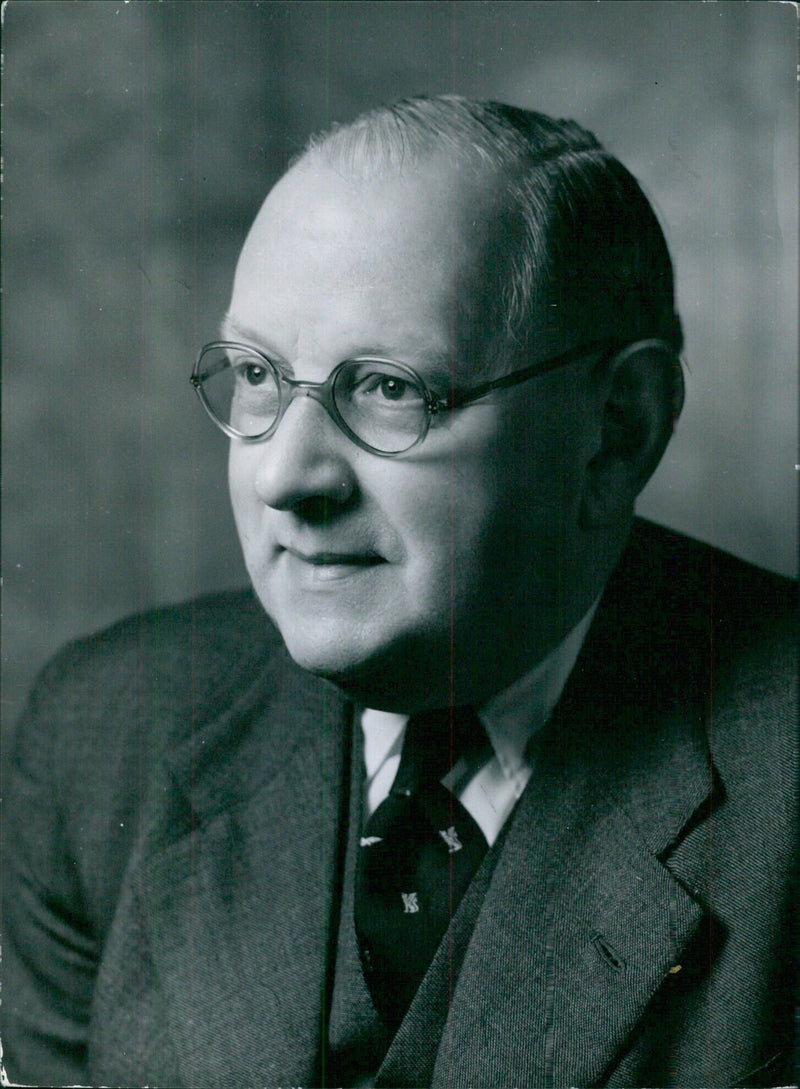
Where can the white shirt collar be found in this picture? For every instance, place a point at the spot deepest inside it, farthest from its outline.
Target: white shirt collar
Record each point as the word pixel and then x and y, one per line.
pixel 510 718
pixel 513 716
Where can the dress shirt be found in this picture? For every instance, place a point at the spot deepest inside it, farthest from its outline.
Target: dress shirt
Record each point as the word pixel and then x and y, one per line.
pixel 489 785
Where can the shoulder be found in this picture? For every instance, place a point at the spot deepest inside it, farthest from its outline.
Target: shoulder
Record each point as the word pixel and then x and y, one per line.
pixel 141 685
pixel 190 654
pixel 690 570
pixel 697 599
pixel 207 630
pixel 88 748
pixel 725 632
pixel 682 617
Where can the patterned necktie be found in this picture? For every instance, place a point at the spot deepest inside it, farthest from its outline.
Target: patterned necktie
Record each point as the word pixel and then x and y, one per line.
pixel 418 854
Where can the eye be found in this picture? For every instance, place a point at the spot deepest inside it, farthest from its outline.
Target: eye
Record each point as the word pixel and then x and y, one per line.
pixel 254 374
pixel 391 388
pixel 378 388
pixel 383 386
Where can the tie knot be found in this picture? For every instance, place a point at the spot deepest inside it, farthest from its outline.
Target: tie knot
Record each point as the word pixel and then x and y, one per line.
pixel 434 741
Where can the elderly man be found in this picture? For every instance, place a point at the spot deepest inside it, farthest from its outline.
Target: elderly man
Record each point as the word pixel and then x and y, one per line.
pixel 505 796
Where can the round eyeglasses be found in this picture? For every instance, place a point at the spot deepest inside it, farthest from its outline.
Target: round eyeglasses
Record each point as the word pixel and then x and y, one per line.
pixel 383 406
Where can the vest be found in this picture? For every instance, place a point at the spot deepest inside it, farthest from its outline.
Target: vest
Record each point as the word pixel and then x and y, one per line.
pixel 357 1041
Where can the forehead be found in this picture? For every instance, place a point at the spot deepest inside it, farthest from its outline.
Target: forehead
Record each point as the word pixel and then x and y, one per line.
pixel 347 259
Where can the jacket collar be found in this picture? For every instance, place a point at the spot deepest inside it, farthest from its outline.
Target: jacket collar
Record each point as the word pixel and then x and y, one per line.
pixel 240 884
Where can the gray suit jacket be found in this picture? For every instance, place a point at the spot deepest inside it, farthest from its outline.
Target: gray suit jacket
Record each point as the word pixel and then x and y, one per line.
pixel 177 811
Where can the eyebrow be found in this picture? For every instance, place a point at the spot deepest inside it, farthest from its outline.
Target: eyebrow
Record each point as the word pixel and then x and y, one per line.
pixel 435 366
pixel 229 325
pixel 438 368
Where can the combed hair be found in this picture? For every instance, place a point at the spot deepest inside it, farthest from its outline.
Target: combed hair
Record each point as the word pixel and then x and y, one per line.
pixel 590 258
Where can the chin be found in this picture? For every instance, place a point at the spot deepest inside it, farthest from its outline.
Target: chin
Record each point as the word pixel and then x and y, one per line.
pixel 397 675
pixel 327 651
pixel 331 661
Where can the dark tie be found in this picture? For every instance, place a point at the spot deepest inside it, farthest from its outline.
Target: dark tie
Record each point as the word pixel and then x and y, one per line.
pixel 418 854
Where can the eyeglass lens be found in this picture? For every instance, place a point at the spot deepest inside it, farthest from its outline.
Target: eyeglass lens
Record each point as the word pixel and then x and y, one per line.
pixel 383 404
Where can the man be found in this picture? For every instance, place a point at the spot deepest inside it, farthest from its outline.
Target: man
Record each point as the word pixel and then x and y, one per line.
pixel 449 366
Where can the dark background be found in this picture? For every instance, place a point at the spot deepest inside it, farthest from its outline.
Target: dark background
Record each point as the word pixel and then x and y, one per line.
pixel 139 141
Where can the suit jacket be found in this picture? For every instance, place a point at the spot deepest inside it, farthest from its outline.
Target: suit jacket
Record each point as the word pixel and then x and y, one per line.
pixel 177 811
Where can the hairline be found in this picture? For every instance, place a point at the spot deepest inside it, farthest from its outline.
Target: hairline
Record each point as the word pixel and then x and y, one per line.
pixel 534 160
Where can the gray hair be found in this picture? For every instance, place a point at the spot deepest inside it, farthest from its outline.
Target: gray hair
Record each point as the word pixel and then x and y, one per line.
pixel 590 258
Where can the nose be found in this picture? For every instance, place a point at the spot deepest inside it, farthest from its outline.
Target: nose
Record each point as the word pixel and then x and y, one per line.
pixel 307 459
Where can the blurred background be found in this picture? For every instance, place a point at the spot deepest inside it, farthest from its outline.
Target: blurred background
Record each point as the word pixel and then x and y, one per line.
pixel 140 139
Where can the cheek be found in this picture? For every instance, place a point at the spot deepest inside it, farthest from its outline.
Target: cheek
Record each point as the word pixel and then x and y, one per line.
pixel 448 525
pixel 510 511
pixel 542 461
pixel 241 488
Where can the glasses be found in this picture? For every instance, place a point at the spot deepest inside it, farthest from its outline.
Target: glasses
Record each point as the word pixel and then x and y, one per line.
pixel 383 406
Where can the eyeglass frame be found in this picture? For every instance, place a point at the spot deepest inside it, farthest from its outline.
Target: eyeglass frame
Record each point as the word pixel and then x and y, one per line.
pixel 322 392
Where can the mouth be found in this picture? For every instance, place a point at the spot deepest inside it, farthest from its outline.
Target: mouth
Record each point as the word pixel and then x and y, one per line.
pixel 325 565
pixel 336 559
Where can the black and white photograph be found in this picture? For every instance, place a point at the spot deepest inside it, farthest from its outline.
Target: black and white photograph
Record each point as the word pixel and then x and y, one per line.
pixel 400 544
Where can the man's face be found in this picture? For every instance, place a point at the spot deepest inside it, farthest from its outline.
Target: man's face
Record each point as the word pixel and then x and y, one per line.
pixel 442 573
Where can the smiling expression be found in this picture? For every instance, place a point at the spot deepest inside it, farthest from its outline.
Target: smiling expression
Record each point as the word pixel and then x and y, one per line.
pixel 442 573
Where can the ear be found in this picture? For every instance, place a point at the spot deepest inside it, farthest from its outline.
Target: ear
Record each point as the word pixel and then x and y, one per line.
pixel 641 392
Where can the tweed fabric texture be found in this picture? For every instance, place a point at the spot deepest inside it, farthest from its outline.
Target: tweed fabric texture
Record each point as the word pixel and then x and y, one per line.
pixel 177 809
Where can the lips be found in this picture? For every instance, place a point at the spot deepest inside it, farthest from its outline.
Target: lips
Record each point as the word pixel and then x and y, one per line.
pixel 323 570
pixel 330 558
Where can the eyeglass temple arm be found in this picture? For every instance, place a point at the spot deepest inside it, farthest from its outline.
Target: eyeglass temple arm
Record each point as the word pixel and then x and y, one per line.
pixel 198 379
pixel 572 355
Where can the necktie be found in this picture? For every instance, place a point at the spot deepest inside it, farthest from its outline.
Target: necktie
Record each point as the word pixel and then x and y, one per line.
pixel 417 856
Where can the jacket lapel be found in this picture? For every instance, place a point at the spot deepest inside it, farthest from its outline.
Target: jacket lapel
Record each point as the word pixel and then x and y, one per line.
pixel 241 903
pixel 587 912
pixel 584 920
